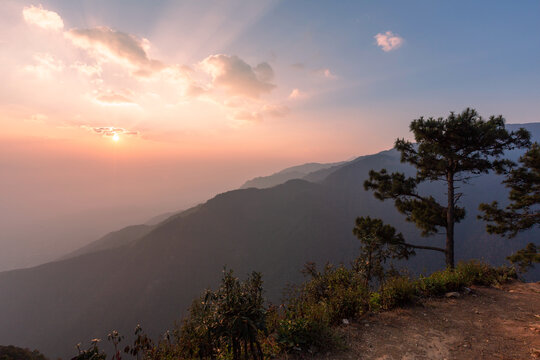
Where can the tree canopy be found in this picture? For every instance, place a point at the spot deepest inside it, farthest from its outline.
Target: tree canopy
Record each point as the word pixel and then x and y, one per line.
pixel 523 212
pixel 451 150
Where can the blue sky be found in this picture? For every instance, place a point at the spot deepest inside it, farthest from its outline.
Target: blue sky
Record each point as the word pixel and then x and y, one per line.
pixel 455 53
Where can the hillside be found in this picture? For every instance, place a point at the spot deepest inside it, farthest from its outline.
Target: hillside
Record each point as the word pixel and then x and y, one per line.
pixel 294 172
pixel 153 279
pixel 488 323
pixel 113 240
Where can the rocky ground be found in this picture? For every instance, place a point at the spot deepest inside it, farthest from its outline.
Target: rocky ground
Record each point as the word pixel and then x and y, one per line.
pixel 487 323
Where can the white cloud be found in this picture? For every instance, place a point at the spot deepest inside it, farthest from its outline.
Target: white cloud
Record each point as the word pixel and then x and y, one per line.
pixel 87 70
pixel 296 94
pixel 113 98
pixel 106 44
pixel 266 111
pixel 237 77
pixel 45 65
pixel 388 41
pixel 45 19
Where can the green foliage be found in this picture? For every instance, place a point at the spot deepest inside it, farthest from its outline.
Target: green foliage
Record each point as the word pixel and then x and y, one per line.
pixel 424 211
pixel 441 282
pixel 325 299
pixel 227 320
pixel 11 352
pixel 525 258
pixel 465 274
pixel 450 150
pixel 309 332
pixel 340 293
pixel 523 212
pixel 379 243
pixel 233 322
pixel 397 291
pixel 480 273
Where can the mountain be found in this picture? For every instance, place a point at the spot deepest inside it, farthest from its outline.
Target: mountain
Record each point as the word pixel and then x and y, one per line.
pixel 113 240
pixel 294 172
pixel 152 279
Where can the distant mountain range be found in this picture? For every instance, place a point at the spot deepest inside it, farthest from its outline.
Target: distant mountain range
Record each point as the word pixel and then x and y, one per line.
pixel 149 274
pixel 294 172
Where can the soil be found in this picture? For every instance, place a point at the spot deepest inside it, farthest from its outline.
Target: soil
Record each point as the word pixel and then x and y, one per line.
pixel 485 323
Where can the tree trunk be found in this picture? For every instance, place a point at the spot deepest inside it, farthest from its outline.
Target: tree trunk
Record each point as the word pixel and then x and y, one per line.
pixel 450 222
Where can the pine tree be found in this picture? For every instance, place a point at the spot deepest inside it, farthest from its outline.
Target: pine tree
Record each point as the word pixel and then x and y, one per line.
pixel 523 212
pixel 451 150
pixel 379 243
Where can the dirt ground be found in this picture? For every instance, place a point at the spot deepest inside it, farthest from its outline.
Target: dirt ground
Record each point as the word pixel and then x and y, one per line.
pixel 488 323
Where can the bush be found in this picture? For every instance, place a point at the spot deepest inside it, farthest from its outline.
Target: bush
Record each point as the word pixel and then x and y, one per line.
pixel 226 321
pixel 397 291
pixel 11 352
pixel 440 282
pixel 312 308
pixel 340 292
pixel 306 333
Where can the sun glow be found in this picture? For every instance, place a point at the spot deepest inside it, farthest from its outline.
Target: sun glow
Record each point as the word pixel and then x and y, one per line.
pixel 116 137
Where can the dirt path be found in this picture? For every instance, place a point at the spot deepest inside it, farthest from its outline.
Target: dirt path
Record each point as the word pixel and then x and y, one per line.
pixel 488 323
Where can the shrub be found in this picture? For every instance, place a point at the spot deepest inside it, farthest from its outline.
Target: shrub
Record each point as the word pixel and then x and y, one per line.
pixel 375 301
pixel 440 282
pixel 341 292
pixel 11 352
pixel 306 333
pixel 226 321
pixel 397 291
pixel 480 273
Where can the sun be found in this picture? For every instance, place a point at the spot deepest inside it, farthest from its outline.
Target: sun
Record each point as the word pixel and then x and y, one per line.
pixel 116 137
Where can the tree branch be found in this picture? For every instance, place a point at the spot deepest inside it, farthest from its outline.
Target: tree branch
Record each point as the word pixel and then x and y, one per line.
pixel 425 247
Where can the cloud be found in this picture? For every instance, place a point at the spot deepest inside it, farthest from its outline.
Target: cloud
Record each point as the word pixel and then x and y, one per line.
pixel 106 44
pixel 45 65
pixel 114 98
pixel 88 70
pixel 36 15
pixel 388 41
pixel 37 119
pixel 273 110
pixel 110 130
pixel 266 111
pixel 326 73
pixel 237 77
pixel 296 94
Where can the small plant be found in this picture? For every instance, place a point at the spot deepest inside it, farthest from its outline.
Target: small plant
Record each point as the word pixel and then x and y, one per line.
pixel 441 282
pixel 92 353
pixel 340 292
pixel 227 321
pixel 379 243
pixel 397 291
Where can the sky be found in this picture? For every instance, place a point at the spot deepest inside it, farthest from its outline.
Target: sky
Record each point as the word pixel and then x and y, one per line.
pixel 114 111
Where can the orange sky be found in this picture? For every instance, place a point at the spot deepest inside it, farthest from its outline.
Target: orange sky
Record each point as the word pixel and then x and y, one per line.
pixel 203 96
